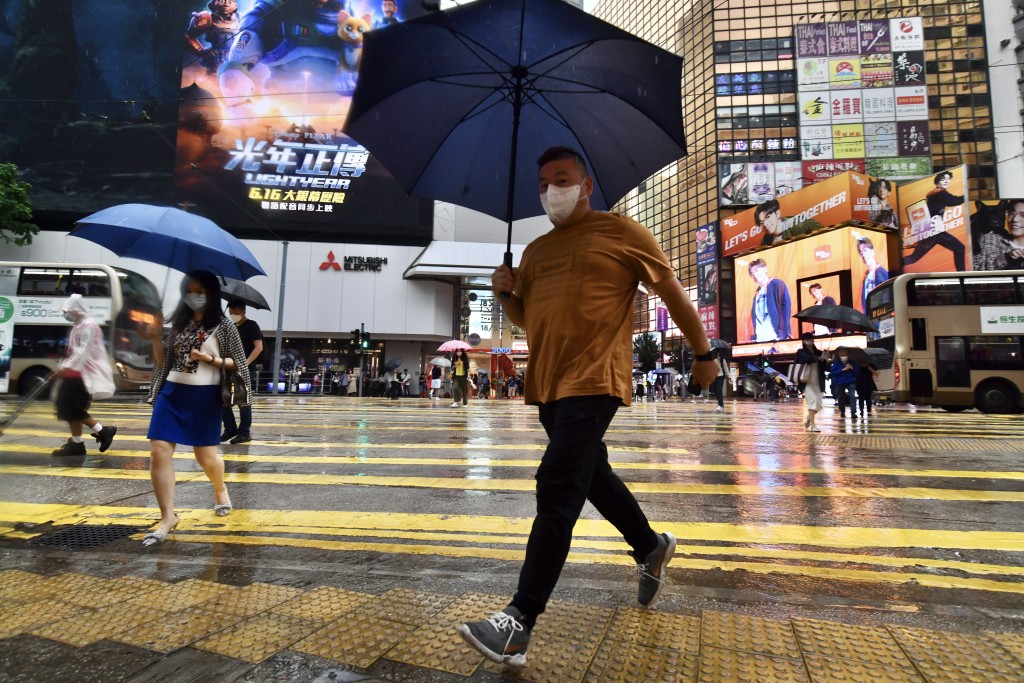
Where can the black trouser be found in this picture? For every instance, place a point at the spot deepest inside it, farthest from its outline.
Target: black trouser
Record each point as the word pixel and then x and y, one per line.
pixel 720 390
pixel 574 469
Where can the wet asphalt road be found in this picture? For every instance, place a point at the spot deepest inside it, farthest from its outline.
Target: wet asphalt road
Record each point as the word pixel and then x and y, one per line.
pixel 908 516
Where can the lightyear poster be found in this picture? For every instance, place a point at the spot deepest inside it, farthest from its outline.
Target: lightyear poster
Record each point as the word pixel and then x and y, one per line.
pixel 266 87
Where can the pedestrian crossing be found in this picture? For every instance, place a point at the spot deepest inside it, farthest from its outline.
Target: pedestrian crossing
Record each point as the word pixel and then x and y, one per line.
pixel 887 500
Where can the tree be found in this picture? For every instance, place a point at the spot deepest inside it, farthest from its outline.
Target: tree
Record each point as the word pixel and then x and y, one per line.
pixel 15 210
pixel 647 349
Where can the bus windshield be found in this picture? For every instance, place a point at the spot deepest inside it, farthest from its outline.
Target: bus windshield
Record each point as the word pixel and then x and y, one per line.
pixel 881 308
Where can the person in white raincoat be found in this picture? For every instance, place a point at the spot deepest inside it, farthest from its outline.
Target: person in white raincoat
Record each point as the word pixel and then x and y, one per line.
pixel 84 374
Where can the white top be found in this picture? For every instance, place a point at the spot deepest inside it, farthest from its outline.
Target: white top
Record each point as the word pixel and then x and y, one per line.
pixel 205 374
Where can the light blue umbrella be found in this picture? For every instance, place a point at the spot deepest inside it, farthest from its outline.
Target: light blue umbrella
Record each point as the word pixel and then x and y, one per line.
pixel 169 237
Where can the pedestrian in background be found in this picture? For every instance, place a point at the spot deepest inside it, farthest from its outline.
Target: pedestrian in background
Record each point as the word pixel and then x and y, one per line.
pixel 811 376
pixel 723 374
pixel 346 379
pixel 844 379
pixel 252 343
pixel 460 378
pixel 435 381
pixel 84 374
pixel 866 387
pixel 186 393
pixel 580 373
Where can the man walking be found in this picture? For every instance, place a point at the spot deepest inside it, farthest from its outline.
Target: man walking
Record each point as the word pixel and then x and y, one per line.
pixel 252 343
pixel 574 294
pixel 84 374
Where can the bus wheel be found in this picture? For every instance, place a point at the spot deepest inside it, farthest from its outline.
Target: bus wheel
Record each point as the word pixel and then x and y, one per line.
pixel 29 380
pixel 996 396
pixel 954 409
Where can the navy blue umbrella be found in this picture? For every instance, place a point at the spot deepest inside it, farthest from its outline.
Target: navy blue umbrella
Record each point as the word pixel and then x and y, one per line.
pixel 169 237
pixel 459 104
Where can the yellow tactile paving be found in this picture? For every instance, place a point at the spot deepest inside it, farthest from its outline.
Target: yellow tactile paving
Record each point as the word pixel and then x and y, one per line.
pixel 1011 642
pixel 619 662
pixel 866 644
pixel 19 618
pixel 17 586
pixel 655 629
pixel 356 639
pixel 823 670
pixel 258 637
pixel 252 599
pixel 471 607
pixel 554 660
pixel 585 622
pixel 406 606
pixel 323 604
pixel 437 646
pixel 91 626
pixel 175 597
pixel 938 653
pixel 177 629
pixel 718 665
pixel 749 634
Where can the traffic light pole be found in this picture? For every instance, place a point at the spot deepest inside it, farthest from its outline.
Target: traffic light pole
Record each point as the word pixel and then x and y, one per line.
pixel 362 356
pixel 280 319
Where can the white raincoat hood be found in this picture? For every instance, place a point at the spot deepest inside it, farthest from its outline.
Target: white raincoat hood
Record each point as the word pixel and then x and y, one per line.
pixel 87 353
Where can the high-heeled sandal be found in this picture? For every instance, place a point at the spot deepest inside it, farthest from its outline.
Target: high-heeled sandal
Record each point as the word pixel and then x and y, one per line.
pixel 155 537
pixel 222 510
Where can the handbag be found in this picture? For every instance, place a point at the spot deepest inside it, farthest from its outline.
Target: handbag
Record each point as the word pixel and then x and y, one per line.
pixel 233 391
pixel 807 373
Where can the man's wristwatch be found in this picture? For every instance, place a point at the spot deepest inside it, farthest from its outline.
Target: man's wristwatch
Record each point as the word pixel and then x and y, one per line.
pixel 710 355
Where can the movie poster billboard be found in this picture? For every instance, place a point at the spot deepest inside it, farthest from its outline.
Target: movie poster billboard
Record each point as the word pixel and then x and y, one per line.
pixel 706 251
pixel 265 93
pixel 831 202
pixel 773 283
pixel 743 184
pixel 997 234
pixel 934 233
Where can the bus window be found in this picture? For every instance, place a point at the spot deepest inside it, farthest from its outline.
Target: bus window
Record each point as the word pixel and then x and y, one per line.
pixel 138 290
pixel 996 353
pixel 918 334
pixel 987 291
pixel 951 362
pixel 935 292
pixel 63 282
pixel 40 341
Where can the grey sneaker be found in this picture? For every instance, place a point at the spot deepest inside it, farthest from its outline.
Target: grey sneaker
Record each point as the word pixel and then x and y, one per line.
pixel 501 637
pixel 652 570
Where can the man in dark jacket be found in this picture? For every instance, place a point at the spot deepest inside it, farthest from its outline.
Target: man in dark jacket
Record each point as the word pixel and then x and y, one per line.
pixel 771 309
pixel 844 379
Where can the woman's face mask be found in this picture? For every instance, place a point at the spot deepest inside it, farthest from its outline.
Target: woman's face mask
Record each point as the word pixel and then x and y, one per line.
pixel 195 301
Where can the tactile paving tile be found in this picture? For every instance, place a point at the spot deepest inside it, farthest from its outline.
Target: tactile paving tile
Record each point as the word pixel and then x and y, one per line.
pixel 355 639
pixel 72 583
pixel 323 604
pixel 17 586
pixel 749 634
pixel 437 646
pixel 252 599
pixel 584 622
pixel 655 629
pixel 937 654
pixel 94 625
pixel 726 666
pixel 258 637
pixel 618 662
pixel 552 660
pixel 1012 642
pixel 833 640
pixel 175 597
pixel 824 670
pixel 407 606
pixel 177 630
pixel 16 619
pixel 471 607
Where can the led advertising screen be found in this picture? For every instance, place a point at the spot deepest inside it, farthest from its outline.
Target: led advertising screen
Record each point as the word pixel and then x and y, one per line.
pixel 771 284
pixel 706 250
pixel 831 202
pixel 933 223
pixel 997 234
pixel 265 92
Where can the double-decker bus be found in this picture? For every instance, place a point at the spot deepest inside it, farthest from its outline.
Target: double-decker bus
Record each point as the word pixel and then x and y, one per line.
pixel 956 338
pixel 33 332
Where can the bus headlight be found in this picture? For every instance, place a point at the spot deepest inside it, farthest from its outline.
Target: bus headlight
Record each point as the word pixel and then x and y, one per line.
pixel 121 369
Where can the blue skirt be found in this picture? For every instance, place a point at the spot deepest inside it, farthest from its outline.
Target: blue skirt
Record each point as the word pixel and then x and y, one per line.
pixel 186 414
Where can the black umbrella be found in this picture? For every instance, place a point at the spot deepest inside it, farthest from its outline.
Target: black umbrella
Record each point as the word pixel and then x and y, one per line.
pixel 835 316
pixel 231 290
pixel 724 347
pixel 392 364
pixel 450 103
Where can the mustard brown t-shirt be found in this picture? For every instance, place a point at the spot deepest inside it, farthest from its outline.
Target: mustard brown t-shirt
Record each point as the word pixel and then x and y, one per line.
pixel 578 285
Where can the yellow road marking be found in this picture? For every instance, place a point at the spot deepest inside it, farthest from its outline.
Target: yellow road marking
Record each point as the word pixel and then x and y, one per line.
pixel 339 521
pixel 488 484
pixel 619 559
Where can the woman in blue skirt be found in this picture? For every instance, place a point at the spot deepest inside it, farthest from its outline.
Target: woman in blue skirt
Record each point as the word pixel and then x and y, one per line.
pixel 185 393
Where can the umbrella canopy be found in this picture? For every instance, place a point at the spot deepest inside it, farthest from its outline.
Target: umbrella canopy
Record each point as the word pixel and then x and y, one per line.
pixel 393 364
pixel 835 316
pixel 169 237
pixel 877 357
pixel 236 290
pixel 443 362
pixel 454 345
pixel 724 348
pixel 498 81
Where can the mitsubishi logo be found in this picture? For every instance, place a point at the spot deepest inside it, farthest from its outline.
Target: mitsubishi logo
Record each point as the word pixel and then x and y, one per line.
pixel 330 262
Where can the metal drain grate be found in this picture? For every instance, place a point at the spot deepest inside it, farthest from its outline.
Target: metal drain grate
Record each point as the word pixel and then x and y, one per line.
pixel 85 536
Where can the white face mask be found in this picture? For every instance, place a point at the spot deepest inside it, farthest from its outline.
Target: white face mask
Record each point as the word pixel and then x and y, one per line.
pixel 844 358
pixel 235 318
pixel 70 318
pixel 196 302
pixel 560 202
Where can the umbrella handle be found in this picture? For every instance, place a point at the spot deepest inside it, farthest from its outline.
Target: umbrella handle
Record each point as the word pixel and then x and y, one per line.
pixel 508 262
